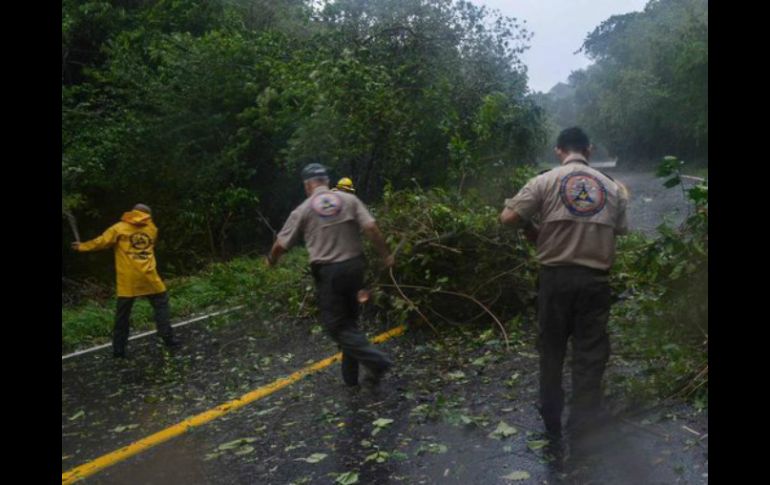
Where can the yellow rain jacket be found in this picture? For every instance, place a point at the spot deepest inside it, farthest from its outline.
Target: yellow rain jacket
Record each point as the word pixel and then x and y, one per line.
pixel 134 240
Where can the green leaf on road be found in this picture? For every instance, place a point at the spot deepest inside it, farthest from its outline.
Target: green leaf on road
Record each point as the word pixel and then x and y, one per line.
pixel 382 422
pixel 455 376
pixel 503 430
pixel 399 456
pixel 379 457
pixel 244 450
pixel 535 445
pixel 436 448
pixel 314 458
pixel 517 475
pixel 347 478
pixel 235 443
pixel 120 429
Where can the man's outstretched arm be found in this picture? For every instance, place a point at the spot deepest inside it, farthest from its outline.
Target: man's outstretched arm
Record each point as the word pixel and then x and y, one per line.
pixel 286 238
pixel 375 235
pixel 510 217
pixel 106 240
pixel 275 254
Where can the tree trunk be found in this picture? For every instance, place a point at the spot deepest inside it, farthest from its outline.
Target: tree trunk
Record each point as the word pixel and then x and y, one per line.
pixel 212 245
pixel 223 236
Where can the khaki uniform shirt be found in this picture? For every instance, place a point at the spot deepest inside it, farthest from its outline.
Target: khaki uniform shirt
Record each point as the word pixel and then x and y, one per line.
pixel 331 223
pixel 580 211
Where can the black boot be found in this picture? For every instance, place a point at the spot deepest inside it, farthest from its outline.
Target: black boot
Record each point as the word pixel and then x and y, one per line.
pixel 551 421
pixel 349 370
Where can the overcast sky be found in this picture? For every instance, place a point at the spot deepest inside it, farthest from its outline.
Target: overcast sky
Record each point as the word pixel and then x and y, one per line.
pixel 560 26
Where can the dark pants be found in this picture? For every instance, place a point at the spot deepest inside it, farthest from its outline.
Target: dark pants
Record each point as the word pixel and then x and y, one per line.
pixel 337 286
pixel 159 302
pixel 573 301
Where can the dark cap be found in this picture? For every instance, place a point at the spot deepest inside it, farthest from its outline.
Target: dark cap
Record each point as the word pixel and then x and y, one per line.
pixel 143 208
pixel 314 170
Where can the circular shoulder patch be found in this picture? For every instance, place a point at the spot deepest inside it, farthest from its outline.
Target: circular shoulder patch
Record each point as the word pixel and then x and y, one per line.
pixel 583 194
pixel 327 204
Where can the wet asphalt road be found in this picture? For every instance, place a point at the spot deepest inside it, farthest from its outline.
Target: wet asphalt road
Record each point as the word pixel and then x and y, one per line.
pixel 650 203
pixel 445 399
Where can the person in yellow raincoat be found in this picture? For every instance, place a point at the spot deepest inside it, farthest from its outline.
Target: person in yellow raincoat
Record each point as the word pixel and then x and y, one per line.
pixel 133 241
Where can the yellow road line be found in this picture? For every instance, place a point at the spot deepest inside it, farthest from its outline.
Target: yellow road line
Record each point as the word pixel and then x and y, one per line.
pixel 104 461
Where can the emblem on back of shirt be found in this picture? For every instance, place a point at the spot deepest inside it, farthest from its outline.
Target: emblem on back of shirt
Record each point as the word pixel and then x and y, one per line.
pixel 327 204
pixel 583 194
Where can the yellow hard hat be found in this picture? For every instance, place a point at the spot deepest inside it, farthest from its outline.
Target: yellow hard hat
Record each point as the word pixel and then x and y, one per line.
pixel 346 184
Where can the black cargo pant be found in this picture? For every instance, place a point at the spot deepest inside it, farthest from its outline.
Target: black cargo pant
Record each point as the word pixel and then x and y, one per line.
pixel 159 302
pixel 337 286
pixel 573 301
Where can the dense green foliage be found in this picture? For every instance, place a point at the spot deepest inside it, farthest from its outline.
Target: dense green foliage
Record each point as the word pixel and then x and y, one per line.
pixel 646 95
pixel 205 110
pixel 457 264
pixel 664 320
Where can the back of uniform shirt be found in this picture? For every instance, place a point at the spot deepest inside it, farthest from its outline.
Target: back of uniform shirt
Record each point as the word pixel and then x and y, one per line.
pixel 581 210
pixel 331 223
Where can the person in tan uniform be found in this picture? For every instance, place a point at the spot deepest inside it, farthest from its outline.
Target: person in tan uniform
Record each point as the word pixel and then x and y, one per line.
pixel 133 241
pixel 580 211
pixel 345 184
pixel 331 223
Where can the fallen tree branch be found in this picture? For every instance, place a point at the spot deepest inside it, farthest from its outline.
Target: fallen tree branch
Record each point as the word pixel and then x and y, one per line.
pixel 266 222
pixel 680 390
pixel 462 295
pixel 497 276
pixel 441 246
pixel 703 374
pixel 395 283
pixel 72 221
